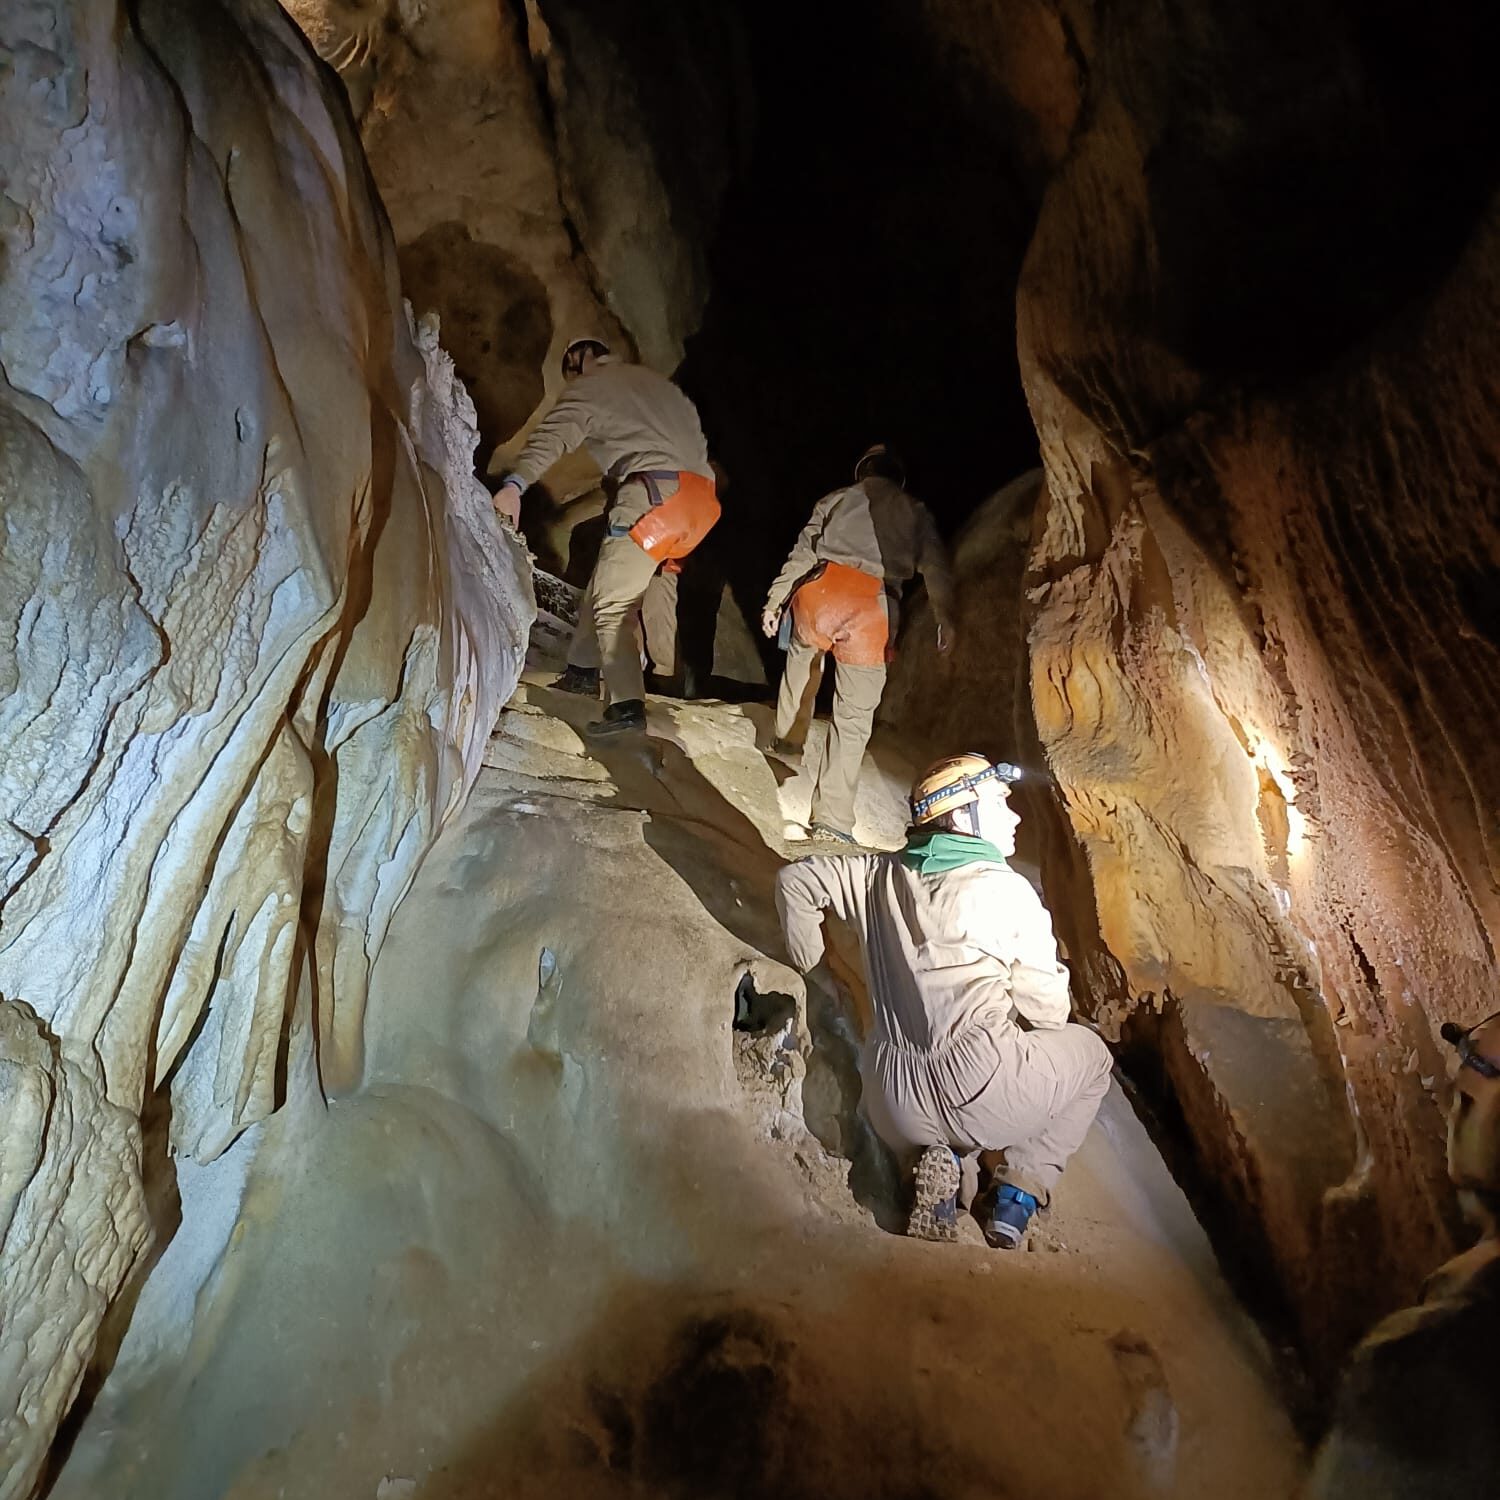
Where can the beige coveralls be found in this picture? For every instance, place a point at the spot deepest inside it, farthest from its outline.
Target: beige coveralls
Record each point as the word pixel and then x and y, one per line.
pixel 953 959
pixel 629 420
pixel 876 527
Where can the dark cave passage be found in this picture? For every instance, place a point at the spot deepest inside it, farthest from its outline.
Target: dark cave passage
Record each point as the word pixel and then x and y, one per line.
pixel 862 282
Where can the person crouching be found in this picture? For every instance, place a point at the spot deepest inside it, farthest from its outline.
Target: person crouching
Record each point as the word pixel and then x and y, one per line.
pixel 971 1048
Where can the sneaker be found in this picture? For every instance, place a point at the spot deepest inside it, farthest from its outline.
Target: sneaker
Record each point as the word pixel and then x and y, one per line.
pixel 934 1211
pixel 1009 1216
pixel 619 718
pixel 828 831
pixel 581 680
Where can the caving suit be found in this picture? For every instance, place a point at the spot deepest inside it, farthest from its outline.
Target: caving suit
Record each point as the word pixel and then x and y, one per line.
pixel 957 950
pixel 844 579
pixel 641 430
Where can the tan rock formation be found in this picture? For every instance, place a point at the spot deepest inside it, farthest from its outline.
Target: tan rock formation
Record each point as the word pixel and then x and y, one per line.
pixel 1020 60
pixel 258 622
pixel 550 169
pixel 1262 658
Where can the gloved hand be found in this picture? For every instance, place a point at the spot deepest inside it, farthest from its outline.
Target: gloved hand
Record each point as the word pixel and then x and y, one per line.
pixel 508 502
pixel 770 623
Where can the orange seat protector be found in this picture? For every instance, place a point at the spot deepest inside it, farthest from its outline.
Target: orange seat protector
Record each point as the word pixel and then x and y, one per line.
pixel 843 610
pixel 673 528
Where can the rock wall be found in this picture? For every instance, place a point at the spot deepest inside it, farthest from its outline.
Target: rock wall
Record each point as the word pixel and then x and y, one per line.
pixel 258 622
pixel 551 169
pixel 1260 354
pixel 977 694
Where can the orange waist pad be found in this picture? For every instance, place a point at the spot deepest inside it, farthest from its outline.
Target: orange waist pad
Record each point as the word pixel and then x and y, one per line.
pixel 673 528
pixel 843 610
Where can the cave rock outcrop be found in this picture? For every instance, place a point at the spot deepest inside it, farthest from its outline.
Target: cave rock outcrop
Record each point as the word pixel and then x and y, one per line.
pixel 258 620
pixel 551 169
pixel 1264 659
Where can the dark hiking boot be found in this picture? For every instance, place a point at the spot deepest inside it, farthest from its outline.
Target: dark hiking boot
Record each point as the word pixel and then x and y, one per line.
pixel 934 1210
pixel 619 718
pixel 1008 1218
pixel 581 680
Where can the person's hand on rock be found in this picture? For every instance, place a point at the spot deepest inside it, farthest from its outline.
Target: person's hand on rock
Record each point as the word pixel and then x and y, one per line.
pixel 508 502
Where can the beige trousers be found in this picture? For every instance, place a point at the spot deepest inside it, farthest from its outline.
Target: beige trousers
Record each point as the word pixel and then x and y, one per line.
pixel 607 634
pixel 659 622
pixel 1031 1094
pixel 856 696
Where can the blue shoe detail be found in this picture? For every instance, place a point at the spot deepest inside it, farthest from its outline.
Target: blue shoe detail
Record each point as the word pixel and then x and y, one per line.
pixel 1009 1217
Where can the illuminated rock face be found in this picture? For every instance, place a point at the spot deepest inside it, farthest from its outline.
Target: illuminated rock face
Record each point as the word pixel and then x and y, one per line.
pixel 550 170
pixel 1262 633
pixel 258 621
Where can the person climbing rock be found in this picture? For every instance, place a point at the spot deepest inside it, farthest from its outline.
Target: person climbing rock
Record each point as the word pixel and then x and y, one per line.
pixel 842 583
pixel 1415 1415
pixel 645 434
pixel 971 1048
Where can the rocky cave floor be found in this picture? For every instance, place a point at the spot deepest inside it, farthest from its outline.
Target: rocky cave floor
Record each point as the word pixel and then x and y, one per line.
pixel 576 1236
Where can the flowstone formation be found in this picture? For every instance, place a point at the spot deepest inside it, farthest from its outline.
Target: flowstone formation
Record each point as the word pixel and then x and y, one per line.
pixel 1264 665
pixel 258 622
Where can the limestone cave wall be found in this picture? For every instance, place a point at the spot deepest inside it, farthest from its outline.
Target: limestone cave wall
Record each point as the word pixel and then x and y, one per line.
pixel 551 168
pixel 258 622
pixel 1257 327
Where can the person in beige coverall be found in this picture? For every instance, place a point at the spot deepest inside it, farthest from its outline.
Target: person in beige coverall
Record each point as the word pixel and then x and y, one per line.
pixel 843 583
pixel 1415 1415
pixel 971 1048
pixel 642 431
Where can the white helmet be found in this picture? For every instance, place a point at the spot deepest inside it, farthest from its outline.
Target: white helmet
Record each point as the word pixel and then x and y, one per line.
pixel 881 460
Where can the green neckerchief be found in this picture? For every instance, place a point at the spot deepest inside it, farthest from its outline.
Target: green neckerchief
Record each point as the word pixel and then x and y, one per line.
pixel 933 853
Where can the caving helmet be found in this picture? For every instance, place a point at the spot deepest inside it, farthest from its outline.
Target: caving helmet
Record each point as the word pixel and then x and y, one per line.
pixel 576 352
pixel 951 783
pixel 880 460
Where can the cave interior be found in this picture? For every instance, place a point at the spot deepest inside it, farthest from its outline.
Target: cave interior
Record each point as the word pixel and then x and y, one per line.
pixel 407 1095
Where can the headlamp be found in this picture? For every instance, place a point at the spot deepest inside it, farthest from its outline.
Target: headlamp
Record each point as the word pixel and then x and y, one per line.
pixel 1001 770
pixel 1462 1040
